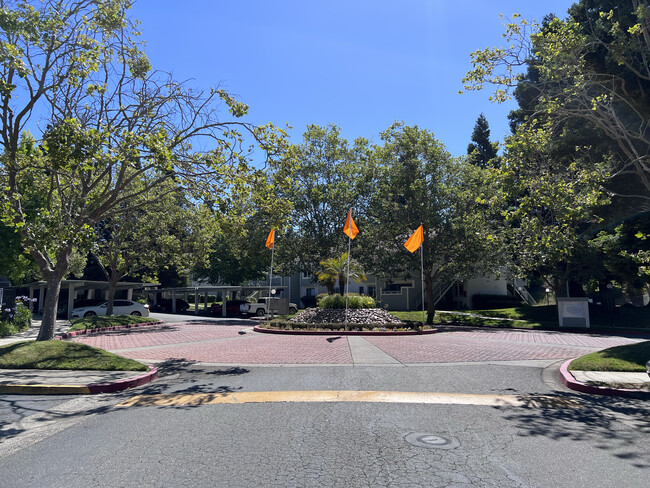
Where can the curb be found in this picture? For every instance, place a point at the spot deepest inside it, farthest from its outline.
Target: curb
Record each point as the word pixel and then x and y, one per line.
pixel 68 335
pixel 570 382
pixel 346 332
pixel 93 388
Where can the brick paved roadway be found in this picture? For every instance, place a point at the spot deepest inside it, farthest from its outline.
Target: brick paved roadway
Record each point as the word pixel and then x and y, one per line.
pixel 236 343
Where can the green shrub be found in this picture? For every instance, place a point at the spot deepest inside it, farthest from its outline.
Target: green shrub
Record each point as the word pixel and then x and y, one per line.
pixel 7 329
pixel 23 316
pixel 15 319
pixel 354 301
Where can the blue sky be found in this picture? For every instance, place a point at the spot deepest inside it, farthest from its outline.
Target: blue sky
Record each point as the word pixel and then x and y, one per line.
pixel 359 64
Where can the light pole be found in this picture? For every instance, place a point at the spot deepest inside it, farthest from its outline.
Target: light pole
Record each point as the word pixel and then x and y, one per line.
pixel 548 290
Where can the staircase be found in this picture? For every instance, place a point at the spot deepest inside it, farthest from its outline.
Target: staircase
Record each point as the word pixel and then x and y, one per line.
pixel 440 289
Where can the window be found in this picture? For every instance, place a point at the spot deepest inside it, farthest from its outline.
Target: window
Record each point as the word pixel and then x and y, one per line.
pixel 305 275
pixel 397 287
pixel 361 290
pixel 309 292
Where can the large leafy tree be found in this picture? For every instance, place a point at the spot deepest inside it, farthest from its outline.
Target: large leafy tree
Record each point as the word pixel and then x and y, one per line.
pixel 164 231
pixel 580 134
pixel 237 253
pixel 326 183
pixel 416 181
pixel 590 68
pixel 551 205
pixel 76 66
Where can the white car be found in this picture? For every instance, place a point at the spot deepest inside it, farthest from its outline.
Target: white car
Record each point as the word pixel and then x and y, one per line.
pixel 260 308
pixel 120 307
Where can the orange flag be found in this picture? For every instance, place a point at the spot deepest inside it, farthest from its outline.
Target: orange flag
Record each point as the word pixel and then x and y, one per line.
pixel 415 241
pixel 270 239
pixel 350 228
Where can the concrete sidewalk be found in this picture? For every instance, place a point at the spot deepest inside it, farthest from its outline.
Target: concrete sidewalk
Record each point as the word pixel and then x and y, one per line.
pixel 64 382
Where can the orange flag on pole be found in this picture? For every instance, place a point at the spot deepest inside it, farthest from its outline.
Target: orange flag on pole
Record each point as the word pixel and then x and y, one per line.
pixel 350 228
pixel 415 241
pixel 270 239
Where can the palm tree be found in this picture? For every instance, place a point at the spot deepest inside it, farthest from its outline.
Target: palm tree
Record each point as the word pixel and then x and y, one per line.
pixel 337 268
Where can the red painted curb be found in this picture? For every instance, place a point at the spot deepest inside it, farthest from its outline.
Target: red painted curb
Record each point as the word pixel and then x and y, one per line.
pixel 68 335
pixel 111 387
pixel 570 382
pixel 346 332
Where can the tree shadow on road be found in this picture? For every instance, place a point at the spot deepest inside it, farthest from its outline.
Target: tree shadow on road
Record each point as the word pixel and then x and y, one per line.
pixel 607 423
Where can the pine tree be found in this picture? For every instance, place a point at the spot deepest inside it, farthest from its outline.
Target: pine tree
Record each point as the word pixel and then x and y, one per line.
pixel 481 150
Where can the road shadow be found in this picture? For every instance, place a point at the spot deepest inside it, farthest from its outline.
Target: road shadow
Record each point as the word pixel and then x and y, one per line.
pixel 607 423
pixel 41 409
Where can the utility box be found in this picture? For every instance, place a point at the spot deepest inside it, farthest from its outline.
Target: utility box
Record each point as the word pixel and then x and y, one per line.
pixel 573 312
pixel 283 306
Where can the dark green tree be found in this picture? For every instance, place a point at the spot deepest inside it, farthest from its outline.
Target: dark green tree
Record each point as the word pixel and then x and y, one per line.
pixel 481 151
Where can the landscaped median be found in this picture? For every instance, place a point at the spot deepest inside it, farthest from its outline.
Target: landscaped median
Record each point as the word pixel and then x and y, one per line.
pixel 98 323
pixel 619 370
pixel 42 358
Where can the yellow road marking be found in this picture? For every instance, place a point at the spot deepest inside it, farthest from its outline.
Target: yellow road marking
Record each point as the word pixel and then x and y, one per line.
pixel 538 401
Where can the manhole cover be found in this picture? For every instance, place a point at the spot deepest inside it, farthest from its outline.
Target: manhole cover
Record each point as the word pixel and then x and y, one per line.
pixel 431 441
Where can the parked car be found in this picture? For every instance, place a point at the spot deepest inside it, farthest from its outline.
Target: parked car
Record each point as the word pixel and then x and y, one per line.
pixel 165 305
pixel 260 308
pixel 233 307
pixel 62 310
pixel 120 307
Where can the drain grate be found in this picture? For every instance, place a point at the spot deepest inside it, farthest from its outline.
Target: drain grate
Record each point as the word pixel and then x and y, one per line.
pixel 431 441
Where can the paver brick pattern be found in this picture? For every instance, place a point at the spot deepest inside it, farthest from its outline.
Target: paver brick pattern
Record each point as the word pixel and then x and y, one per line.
pixel 238 344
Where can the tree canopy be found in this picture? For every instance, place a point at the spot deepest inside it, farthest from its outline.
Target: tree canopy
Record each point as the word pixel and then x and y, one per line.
pixel 78 68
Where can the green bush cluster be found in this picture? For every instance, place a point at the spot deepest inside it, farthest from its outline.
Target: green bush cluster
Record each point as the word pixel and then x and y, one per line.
pixel 16 319
pixel 354 301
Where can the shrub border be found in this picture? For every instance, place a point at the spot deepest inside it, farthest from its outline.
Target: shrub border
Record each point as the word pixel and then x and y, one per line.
pixel 345 332
pixel 68 335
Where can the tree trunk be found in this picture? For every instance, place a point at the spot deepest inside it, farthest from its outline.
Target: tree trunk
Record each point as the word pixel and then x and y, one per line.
pixel 50 305
pixel 431 308
pixel 112 285
pixel 342 282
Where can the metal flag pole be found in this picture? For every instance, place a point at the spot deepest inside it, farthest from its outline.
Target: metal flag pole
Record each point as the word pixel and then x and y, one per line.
pixel 347 284
pixel 422 274
pixel 269 304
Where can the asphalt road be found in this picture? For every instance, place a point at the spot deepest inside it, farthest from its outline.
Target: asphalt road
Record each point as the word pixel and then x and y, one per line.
pixel 497 423
pixel 90 442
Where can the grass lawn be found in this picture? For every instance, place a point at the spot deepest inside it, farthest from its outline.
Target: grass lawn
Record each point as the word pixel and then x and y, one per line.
pixel 539 317
pixel 100 321
pixel 630 358
pixel 57 354
pixel 463 319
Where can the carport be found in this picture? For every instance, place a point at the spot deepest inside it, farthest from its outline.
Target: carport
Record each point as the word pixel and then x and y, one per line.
pixel 88 288
pixel 201 294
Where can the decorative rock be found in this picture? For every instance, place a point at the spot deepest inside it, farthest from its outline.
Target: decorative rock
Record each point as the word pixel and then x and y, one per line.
pixel 357 316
